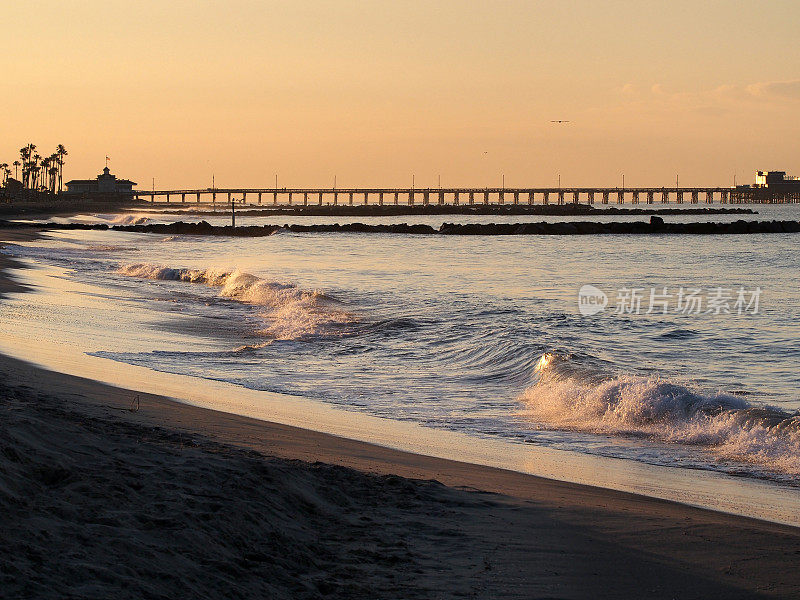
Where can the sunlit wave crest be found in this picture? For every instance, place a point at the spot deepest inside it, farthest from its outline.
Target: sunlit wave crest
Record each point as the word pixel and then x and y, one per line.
pixel 292 313
pixel 661 410
pixel 130 219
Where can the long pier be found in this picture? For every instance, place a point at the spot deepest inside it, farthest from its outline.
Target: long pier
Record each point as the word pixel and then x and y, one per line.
pixel 470 196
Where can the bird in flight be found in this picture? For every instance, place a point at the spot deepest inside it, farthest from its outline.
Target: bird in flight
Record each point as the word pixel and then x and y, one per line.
pixel 559 121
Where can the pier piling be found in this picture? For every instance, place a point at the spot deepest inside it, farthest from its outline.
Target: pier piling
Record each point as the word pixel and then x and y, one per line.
pixel 458 196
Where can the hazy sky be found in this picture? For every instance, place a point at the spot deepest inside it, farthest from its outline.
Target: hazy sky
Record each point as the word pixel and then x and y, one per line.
pixel 374 92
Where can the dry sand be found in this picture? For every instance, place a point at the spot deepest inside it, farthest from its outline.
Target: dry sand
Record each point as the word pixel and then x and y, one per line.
pixel 179 501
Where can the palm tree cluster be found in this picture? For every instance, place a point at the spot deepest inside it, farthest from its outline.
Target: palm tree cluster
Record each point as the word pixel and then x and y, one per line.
pixel 39 173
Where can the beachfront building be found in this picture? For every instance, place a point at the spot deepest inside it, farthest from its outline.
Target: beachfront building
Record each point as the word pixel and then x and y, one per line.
pixel 777 180
pixel 104 184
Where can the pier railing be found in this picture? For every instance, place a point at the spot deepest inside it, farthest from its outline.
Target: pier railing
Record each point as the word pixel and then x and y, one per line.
pixel 471 196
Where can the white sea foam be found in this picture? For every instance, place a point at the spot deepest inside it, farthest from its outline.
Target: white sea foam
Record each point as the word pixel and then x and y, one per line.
pixel 665 411
pixel 109 248
pixel 132 219
pixel 114 219
pixel 292 313
pixel 251 347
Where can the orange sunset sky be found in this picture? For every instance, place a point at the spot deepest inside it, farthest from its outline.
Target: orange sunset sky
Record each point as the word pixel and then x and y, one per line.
pixel 374 92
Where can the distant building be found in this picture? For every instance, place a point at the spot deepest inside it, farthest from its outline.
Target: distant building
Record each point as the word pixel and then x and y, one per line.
pixel 105 185
pixel 777 181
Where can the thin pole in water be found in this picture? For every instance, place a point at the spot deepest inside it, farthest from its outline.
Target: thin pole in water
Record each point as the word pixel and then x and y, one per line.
pixel 233 212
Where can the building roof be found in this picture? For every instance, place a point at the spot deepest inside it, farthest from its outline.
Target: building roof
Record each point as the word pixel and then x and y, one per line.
pixel 104 176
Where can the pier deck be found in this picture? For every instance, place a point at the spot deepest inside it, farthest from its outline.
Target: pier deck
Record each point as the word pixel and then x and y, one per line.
pixel 471 196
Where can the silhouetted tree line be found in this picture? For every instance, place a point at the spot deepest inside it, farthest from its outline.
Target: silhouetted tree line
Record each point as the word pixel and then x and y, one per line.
pixel 39 173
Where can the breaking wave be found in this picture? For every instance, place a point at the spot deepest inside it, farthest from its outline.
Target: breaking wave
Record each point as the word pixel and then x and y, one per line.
pixel 113 219
pixel 130 220
pixel 247 348
pixel 110 248
pixel 650 407
pixel 292 313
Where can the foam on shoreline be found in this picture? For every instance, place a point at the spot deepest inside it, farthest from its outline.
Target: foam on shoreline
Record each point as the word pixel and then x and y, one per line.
pixel 292 313
pixel 649 407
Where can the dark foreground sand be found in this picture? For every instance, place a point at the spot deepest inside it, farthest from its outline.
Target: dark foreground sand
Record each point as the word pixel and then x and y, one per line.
pixel 7 282
pixel 97 501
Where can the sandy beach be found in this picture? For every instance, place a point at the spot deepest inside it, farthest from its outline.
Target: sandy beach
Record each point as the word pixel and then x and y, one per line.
pixel 400 301
pixel 7 282
pixel 106 497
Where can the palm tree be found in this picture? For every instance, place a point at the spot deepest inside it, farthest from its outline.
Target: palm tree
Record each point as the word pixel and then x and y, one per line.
pixel 29 161
pixel 4 169
pixel 62 152
pixel 47 182
pixel 16 164
pixel 44 171
pixel 25 155
pixel 53 177
pixel 53 180
pixel 36 171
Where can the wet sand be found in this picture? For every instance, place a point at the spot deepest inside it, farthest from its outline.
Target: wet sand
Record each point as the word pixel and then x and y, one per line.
pixel 102 498
pixel 7 282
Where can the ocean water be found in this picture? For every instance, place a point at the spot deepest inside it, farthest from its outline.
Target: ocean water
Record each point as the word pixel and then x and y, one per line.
pixel 480 335
pixel 163 213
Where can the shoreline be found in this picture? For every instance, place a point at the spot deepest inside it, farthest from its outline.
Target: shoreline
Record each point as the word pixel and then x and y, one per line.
pixel 600 542
pixel 708 489
pixel 7 282
pixel 724 552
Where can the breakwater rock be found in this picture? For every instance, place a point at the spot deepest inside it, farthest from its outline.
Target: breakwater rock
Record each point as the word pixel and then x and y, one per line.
pixel 391 210
pixel 656 225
